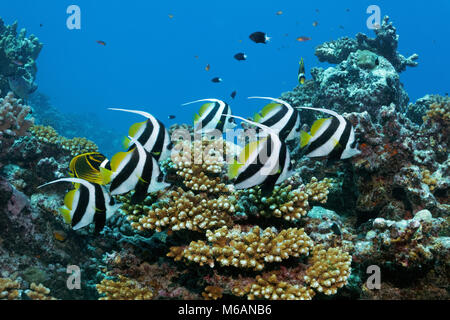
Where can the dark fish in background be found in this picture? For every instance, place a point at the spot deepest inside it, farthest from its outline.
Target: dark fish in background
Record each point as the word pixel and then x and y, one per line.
pixel 208 67
pixel 17 62
pixel 335 229
pixel 315 23
pixel 103 43
pixel 240 56
pixel 279 13
pixel 259 37
pixel 171 117
pixel 41 25
pixel 216 80
pixel 233 94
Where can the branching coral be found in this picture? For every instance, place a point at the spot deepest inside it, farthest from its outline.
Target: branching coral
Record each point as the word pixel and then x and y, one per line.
pixel 212 293
pixel 285 201
pixel 123 289
pixel 13 118
pixel 181 210
pixel 39 292
pixel 252 249
pixel 75 146
pixel 330 269
pixel 270 287
pixel 9 289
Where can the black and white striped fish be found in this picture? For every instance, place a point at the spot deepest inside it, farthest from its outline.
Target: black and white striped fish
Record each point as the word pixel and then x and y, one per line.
pixel 87 166
pixel 333 137
pixel 134 170
pixel 214 115
pixel 152 134
pixel 281 117
pixel 87 203
pixel 264 162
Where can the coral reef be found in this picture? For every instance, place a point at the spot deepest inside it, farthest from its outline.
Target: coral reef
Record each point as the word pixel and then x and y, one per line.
pixel 18 56
pixel 311 237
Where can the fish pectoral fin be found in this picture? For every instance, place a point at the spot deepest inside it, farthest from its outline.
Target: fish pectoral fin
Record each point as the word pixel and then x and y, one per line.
pixel 65 213
pixel 233 169
pixel 142 180
pixel 126 142
pixel 304 138
pixel 336 143
pixel 68 199
pixel 106 175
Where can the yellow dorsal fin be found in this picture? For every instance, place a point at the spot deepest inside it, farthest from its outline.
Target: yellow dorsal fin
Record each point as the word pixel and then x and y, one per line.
pixel 68 199
pixel 106 175
pixel 248 150
pixel 117 159
pixel 304 138
pixel 316 125
pixel 196 118
pixel 269 107
pixel 233 169
pixel 257 117
pixel 65 214
pixel 203 108
pixel 134 129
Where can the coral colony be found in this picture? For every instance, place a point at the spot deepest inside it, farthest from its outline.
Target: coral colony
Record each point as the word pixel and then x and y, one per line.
pixel 312 236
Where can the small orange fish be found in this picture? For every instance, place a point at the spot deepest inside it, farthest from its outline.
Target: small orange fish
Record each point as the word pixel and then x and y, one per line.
pixel 279 13
pixel 170 16
pixel 103 43
pixel 315 24
pixel 303 38
pixel 208 67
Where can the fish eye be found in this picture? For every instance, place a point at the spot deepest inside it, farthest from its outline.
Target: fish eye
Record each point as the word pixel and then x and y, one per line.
pixel 297 129
pixel 231 120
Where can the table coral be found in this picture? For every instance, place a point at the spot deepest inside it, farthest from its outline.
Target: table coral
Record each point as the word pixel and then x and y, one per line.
pixel 252 249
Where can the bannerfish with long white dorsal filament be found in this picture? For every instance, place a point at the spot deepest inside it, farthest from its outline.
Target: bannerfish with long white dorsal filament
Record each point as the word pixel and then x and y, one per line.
pixel 333 137
pixel 281 117
pixel 87 166
pixel 301 72
pixel 214 115
pixel 265 162
pixel 151 134
pixel 134 170
pixel 87 203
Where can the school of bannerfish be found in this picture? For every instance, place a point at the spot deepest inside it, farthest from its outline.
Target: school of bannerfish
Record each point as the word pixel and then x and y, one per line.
pixel 264 162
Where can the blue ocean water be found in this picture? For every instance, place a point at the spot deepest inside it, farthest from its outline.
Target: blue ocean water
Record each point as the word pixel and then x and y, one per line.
pixel 156 62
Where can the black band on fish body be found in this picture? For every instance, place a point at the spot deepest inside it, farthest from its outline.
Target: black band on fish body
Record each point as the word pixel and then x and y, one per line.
pixel 100 209
pixel 126 172
pixel 324 137
pixel 343 140
pixel 81 205
pixel 141 189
